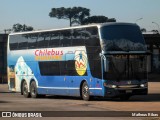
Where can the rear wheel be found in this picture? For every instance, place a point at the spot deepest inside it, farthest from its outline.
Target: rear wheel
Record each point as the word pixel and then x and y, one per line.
pixel 25 92
pixel 33 90
pixel 85 92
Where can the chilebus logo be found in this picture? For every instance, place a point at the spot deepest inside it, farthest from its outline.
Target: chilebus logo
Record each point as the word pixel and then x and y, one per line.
pixel 80 62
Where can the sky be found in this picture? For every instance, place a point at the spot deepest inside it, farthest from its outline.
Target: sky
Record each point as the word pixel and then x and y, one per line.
pixel 36 12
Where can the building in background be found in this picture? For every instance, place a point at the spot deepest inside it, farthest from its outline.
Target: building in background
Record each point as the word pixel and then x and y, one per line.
pixel 153 46
pixel 3 58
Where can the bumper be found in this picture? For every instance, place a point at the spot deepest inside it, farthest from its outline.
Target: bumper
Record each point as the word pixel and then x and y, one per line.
pixel 111 92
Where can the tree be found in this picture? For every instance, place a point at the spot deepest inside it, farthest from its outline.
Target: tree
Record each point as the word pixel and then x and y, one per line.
pixel 78 15
pixel 21 28
pixel 97 19
pixel 143 30
pixel 74 15
pixel 111 20
pixel 155 31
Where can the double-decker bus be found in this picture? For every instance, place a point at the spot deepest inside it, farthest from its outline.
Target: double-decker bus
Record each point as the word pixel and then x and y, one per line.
pixel 106 60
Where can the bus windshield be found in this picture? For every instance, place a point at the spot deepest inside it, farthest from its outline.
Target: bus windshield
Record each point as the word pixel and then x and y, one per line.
pixel 122 38
pixel 126 67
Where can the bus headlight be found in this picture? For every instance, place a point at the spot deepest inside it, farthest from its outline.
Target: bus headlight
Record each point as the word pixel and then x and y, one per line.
pixel 143 85
pixel 114 86
pixel 110 86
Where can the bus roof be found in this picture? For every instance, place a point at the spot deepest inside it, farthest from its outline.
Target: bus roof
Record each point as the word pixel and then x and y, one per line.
pixel 81 26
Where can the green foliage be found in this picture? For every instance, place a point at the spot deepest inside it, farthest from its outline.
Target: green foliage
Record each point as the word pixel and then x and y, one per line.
pixel 97 19
pixel 21 28
pixel 143 30
pixel 78 15
pixel 155 31
pixel 74 15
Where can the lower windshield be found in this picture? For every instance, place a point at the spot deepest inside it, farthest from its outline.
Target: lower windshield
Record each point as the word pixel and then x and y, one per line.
pixel 126 67
pixel 122 38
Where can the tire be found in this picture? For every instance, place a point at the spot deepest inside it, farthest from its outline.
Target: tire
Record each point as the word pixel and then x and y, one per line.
pixel 25 92
pixel 33 90
pixel 85 92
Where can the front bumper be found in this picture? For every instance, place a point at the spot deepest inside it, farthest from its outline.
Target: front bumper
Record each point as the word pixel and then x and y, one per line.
pixel 117 92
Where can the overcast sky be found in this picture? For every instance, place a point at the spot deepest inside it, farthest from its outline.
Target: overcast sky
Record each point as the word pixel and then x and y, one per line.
pixel 36 12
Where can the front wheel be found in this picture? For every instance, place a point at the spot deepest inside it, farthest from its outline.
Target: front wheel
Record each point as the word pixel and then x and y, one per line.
pixel 85 92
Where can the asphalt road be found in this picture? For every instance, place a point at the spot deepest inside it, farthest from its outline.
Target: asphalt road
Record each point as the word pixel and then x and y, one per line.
pixel 15 102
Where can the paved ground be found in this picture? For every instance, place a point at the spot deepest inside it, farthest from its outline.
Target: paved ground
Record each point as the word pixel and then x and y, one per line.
pixel 15 102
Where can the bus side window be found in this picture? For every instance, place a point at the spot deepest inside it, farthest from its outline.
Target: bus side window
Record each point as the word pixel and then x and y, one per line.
pixel 65 38
pixel 93 49
pixel 63 69
pixel 14 39
pixel 92 37
pixel 70 65
pixel 49 68
pixel 43 39
pixel 77 38
pixel 32 40
pixel 95 67
pixel 23 42
pixel 55 39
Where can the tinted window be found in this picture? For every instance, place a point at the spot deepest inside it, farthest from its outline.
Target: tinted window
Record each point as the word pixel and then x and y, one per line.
pixel 65 38
pixel 43 39
pixel 93 50
pixel 122 38
pixel 55 39
pixel 96 68
pixel 14 39
pixel 58 68
pixel 62 38
pixel 32 40
pixel 49 68
pixel 71 71
pixel 23 42
pixel 63 68
pixel 78 38
pixel 92 37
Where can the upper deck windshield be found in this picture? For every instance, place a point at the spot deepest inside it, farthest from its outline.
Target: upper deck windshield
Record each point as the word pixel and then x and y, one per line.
pixel 122 38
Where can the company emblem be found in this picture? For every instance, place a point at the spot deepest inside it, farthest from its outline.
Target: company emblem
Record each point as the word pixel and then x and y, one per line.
pixel 80 62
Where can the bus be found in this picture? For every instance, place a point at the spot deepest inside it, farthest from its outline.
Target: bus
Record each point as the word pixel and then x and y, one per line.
pixel 103 60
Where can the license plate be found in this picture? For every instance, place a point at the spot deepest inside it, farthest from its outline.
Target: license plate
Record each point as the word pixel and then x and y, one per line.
pixel 128 91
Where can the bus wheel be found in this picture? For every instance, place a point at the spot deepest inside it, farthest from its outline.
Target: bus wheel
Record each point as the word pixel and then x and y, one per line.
pixel 85 92
pixel 25 92
pixel 33 90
